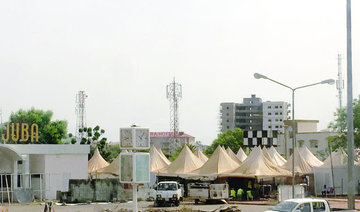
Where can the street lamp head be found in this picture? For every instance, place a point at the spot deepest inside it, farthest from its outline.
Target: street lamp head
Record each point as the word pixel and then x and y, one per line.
pixel 259 76
pixel 328 81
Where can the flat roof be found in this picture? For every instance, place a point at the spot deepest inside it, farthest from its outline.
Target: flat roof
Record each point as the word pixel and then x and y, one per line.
pixel 48 149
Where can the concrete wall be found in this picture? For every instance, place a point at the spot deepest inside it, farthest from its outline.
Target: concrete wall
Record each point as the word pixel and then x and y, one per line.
pixel 304 127
pixel 100 190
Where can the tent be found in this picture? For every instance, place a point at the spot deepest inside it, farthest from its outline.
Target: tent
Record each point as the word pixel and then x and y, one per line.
pixel 339 158
pixel 233 156
pixel 163 155
pixel 113 168
pixel 97 162
pixel 301 166
pixel 309 157
pixel 157 160
pixel 183 164
pixel 201 156
pixel 257 164
pixel 241 154
pixel 276 157
pixel 323 175
pixel 219 162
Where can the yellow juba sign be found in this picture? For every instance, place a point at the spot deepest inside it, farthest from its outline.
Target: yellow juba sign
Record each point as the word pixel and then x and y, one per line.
pixel 16 131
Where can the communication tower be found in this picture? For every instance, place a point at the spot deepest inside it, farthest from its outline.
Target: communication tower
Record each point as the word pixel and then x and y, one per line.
pixel 174 95
pixel 339 81
pixel 80 115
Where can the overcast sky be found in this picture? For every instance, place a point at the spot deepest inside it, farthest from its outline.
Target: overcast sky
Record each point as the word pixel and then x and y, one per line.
pixel 124 53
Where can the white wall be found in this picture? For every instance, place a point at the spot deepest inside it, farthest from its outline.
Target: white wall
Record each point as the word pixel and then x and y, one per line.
pixel 60 168
pixel 37 163
pixel 303 127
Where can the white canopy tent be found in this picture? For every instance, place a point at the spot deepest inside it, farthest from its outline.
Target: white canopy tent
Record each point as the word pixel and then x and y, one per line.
pixel 257 164
pixel 323 175
pixel 233 156
pixel 276 157
pixel 201 156
pixel 241 154
pixel 185 163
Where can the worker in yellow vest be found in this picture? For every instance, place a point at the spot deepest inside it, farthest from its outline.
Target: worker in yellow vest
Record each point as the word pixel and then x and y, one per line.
pixel 239 194
pixel 232 194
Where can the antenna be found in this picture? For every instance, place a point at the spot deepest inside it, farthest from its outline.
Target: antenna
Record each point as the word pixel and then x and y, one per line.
pixel 339 81
pixel 80 115
pixel 174 94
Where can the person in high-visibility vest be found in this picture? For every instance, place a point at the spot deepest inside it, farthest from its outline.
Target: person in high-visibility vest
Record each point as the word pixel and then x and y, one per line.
pixel 232 194
pixel 249 195
pixel 239 194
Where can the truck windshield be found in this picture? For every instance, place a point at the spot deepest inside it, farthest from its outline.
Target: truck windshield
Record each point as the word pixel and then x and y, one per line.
pixel 167 187
pixel 284 206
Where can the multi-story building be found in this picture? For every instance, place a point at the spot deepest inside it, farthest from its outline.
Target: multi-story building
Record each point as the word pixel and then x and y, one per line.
pixel 307 135
pixel 253 114
pixel 274 114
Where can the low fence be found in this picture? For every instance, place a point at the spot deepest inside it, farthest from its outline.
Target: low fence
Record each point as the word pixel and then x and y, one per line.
pixel 29 187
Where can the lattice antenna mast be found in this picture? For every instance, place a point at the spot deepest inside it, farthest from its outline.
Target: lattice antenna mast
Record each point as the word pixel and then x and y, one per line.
pixel 339 81
pixel 80 115
pixel 174 95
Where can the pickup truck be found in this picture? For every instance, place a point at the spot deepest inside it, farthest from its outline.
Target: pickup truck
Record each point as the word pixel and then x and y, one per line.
pixel 207 192
pixel 305 205
pixel 167 192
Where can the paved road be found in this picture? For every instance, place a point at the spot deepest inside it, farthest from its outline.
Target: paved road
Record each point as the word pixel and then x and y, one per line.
pixel 118 206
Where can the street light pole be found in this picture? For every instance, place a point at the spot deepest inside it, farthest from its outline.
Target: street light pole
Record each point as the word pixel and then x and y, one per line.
pixel 349 111
pixel 329 81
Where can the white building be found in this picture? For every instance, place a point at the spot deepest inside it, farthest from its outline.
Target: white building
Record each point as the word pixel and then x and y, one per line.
pixel 274 114
pixel 306 135
pixel 42 168
pixel 253 114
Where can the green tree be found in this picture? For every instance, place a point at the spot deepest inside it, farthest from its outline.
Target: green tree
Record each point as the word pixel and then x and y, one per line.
pixel 231 138
pixel 93 135
pixel 339 125
pixel 50 132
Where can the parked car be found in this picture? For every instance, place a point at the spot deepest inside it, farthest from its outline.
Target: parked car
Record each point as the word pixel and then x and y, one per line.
pixel 305 205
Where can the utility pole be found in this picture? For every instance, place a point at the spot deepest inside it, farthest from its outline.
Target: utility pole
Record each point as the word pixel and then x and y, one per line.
pixel 349 111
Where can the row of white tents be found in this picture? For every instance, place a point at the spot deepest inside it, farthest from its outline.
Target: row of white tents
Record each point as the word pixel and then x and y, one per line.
pixel 223 162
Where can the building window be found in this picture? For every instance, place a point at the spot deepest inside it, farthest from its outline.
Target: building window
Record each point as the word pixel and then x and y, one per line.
pixel 227 120
pixel 227 108
pixel 280 119
pixel 269 114
pixel 276 106
pixel 269 107
pixel 227 127
pixel 280 126
pixel 280 106
pixel 280 113
pixel 301 143
pixel 276 119
pixel 276 126
pixel 314 143
pixel 276 113
pixel 227 114
pixel 269 127
pixel 269 120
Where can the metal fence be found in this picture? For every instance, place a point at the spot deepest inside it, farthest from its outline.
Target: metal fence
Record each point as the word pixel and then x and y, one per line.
pixel 35 182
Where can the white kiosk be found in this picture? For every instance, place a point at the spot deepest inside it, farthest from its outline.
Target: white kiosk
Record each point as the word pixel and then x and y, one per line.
pixel 134 166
